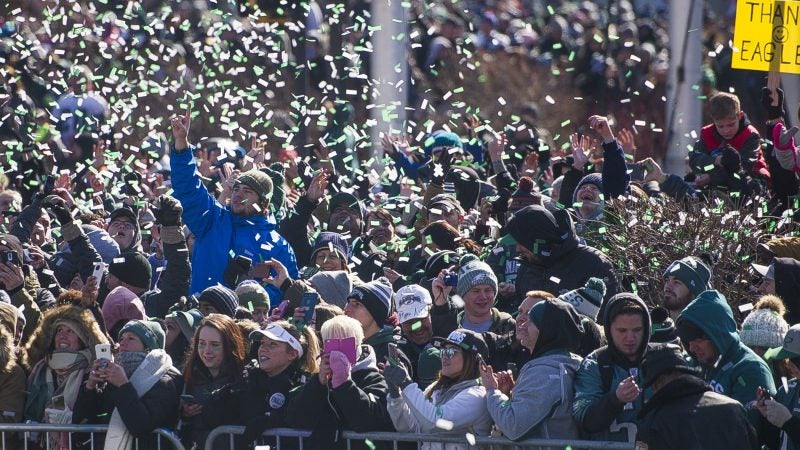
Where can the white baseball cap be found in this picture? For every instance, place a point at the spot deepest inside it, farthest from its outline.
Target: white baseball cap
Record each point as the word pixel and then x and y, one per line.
pixel 412 302
pixel 278 333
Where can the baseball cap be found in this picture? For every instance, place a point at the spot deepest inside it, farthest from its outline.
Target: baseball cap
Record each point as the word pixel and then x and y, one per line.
pixel 412 302
pixel 465 339
pixel 767 272
pixel 278 333
pixel 790 348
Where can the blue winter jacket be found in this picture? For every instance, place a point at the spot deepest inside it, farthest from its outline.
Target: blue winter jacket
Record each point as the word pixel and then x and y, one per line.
pixel 221 235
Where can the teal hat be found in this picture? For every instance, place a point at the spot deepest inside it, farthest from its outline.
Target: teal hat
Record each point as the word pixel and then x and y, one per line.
pixel 150 333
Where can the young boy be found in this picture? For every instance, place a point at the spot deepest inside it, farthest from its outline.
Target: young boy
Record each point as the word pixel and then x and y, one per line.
pixel 728 148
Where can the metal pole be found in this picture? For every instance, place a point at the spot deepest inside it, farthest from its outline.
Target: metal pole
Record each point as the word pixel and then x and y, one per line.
pixel 684 108
pixel 389 92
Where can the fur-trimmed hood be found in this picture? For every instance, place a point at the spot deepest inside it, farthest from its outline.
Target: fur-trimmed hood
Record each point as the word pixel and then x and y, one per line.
pixel 42 341
pixel 8 355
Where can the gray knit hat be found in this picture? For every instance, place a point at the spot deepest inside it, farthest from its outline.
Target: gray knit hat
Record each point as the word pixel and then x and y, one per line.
pixel 763 328
pixel 474 272
pixel 223 299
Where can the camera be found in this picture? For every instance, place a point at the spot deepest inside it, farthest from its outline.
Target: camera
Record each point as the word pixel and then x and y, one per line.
pixel 451 279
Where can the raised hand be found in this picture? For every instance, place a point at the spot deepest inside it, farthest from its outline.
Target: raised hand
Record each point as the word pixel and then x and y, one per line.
pixel 653 171
pixel 626 142
pixel 602 126
pixel 168 211
pixel 180 130
pixel 579 146
pixel 498 146
pixel 318 186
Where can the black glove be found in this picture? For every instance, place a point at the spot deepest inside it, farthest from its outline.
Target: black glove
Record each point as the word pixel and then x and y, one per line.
pixel 731 160
pixel 168 211
pixel 254 428
pixel 396 378
pixel 236 271
pixel 773 112
pixel 59 207
pixel 441 167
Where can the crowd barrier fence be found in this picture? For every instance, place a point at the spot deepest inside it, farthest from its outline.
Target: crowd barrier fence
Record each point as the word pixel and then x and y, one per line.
pixel 494 443
pixel 22 431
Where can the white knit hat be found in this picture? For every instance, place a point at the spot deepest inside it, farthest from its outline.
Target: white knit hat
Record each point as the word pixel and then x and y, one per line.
pixel 763 328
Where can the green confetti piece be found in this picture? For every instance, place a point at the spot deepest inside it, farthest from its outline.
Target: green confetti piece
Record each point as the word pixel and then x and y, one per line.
pixel 416 326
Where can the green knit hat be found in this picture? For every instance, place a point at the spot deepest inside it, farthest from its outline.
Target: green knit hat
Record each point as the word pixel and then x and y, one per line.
pixel 692 272
pixel 258 181
pixel 150 333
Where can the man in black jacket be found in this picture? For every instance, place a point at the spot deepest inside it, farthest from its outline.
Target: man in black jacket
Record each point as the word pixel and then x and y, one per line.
pixel 684 412
pixel 552 258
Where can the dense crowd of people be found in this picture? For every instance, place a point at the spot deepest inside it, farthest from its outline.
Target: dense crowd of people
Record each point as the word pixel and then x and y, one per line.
pixel 473 288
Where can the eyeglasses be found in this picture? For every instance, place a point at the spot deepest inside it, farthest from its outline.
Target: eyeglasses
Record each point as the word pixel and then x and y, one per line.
pixel 122 224
pixel 449 352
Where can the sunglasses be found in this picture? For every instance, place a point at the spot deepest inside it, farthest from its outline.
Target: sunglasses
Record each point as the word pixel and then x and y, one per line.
pixel 449 352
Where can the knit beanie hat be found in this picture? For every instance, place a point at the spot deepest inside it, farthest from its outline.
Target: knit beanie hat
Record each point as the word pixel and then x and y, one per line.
pixel 105 245
pixel 252 295
pixel 150 333
pixel 692 272
pixel 662 328
pixel 428 366
pixel 333 286
pixel 376 296
pixel 439 261
pixel 587 299
pixel 593 178
pixel 122 304
pixel 221 298
pixel 763 327
pixel 524 195
pixel 441 140
pixel 132 268
pixel 258 181
pixel 332 242
pixel 473 272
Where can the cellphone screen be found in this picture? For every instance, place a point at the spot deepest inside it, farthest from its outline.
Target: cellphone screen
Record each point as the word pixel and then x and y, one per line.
pixel 345 345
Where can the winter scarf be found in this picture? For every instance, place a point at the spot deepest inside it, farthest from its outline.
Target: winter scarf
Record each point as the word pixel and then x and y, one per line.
pixel 144 376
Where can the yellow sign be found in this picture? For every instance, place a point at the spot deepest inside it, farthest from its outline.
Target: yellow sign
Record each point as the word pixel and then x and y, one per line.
pixel 767 36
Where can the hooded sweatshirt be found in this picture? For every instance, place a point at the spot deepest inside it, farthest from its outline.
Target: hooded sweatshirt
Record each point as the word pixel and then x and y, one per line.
pixel 541 403
pixel 597 409
pixel 561 264
pixel 739 371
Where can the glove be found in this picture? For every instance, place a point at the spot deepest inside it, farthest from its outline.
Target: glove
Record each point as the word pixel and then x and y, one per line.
pixel 731 160
pixel 340 368
pixel 777 414
pixel 254 428
pixel 773 112
pixel 168 212
pixel 236 271
pixel 397 378
pixel 441 167
pixel 59 208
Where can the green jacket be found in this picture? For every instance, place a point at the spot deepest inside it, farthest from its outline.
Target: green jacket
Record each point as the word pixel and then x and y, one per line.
pixel 739 371
pixel 774 437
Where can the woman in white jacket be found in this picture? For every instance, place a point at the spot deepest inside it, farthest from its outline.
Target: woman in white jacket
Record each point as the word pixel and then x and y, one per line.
pixel 454 404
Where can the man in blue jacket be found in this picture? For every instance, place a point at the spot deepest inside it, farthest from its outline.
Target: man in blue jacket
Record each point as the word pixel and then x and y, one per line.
pixel 245 228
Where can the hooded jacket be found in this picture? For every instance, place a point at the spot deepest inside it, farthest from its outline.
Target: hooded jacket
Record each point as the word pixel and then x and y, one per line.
pixel 42 343
pixel 686 414
pixel 12 380
pixel 597 409
pixel 561 264
pixel 541 402
pixel 380 345
pixel 463 405
pixel 357 405
pixel 739 371
pixel 219 233
pixel 787 286
pixel 747 142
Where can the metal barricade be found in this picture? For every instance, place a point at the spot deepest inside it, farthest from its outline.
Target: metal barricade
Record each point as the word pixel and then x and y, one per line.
pixel 395 438
pixel 280 434
pixel 8 430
